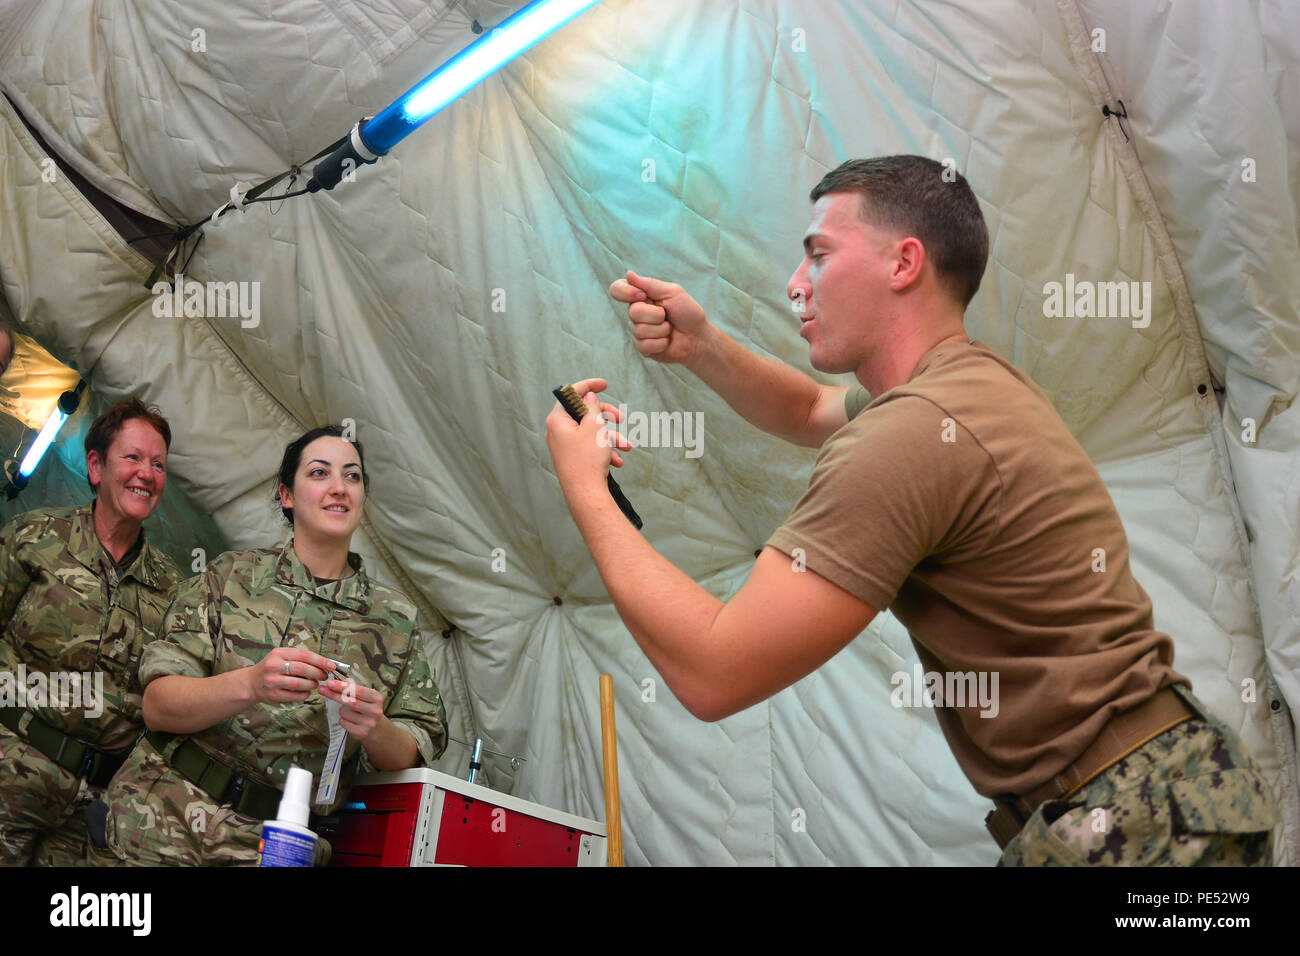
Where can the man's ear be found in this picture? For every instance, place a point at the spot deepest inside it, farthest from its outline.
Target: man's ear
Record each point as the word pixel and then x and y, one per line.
pixel 909 263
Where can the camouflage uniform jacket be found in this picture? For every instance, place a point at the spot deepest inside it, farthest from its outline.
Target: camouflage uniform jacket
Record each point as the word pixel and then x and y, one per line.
pixel 249 602
pixel 65 608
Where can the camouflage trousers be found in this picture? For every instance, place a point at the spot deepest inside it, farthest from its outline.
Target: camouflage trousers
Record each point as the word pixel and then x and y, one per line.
pixel 158 818
pixel 42 808
pixel 1189 797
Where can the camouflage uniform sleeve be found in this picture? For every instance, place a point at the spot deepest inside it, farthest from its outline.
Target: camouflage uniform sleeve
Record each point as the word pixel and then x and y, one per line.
pixel 417 706
pixel 184 643
pixel 14 576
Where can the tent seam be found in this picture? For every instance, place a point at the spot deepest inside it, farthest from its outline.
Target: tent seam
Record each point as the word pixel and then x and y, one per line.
pixel 1130 164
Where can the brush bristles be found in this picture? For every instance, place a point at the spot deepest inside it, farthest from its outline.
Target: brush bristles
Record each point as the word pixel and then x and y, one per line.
pixel 572 403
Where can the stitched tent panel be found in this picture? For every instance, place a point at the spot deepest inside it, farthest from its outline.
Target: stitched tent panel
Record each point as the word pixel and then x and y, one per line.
pixel 437 300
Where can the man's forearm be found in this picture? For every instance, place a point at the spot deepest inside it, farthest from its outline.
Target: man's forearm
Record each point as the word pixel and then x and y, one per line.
pixel 767 393
pixel 669 614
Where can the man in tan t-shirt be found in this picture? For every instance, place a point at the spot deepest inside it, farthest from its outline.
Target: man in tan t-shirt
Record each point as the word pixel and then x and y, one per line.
pixel 959 500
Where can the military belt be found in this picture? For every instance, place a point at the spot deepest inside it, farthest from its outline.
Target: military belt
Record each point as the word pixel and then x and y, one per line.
pixel 1123 734
pixel 226 786
pixel 78 758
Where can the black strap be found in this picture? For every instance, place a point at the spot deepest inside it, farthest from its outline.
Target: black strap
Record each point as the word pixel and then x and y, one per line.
pixel 223 784
pixel 254 195
pixel 79 759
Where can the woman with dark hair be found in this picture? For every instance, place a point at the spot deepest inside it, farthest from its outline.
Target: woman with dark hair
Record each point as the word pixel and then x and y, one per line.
pixel 237 683
pixel 81 592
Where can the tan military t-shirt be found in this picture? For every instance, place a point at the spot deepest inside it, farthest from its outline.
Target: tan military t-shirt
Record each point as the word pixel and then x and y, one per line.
pixel 961 502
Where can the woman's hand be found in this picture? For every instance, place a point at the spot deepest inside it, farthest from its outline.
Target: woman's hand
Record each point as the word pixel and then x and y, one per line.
pixel 362 708
pixel 287 675
pixel 361 714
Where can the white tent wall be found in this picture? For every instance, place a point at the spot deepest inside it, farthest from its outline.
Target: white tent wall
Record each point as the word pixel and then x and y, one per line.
pixel 1219 128
pixel 439 298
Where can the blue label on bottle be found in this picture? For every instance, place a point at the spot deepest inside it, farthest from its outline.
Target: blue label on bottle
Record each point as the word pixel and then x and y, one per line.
pixel 285 848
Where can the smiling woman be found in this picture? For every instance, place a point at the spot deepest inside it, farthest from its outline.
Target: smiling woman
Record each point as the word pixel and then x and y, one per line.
pixel 237 683
pixel 127 470
pixel 321 491
pixel 81 593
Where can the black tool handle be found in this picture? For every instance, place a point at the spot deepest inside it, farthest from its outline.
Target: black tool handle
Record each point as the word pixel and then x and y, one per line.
pixel 624 505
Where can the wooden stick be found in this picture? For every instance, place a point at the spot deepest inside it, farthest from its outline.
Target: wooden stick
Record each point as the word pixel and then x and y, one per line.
pixel 613 825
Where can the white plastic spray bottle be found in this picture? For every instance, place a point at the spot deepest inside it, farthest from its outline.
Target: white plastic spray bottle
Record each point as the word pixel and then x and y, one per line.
pixel 286 840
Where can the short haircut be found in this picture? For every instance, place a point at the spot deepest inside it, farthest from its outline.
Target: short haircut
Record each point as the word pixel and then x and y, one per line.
pixel 293 458
pixel 106 427
pixel 926 199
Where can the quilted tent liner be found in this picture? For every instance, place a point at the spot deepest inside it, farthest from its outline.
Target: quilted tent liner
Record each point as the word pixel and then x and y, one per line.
pixel 438 299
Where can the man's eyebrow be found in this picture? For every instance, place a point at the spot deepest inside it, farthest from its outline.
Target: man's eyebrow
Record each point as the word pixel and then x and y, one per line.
pixel 809 239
